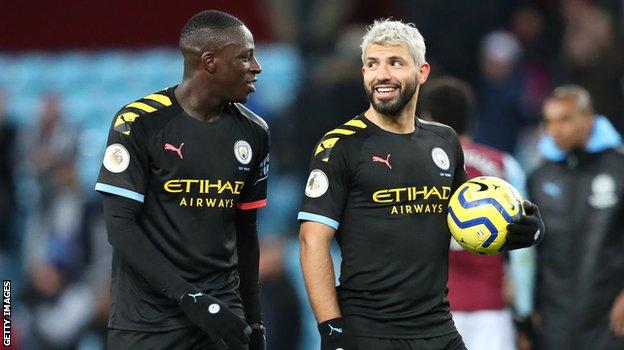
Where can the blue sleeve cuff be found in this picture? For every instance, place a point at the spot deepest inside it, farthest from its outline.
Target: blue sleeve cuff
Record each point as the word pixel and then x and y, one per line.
pixel 100 187
pixel 305 216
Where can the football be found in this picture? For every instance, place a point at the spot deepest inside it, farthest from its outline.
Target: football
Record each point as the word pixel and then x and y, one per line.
pixel 479 212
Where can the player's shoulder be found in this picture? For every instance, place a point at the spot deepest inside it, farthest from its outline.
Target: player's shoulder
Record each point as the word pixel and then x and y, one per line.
pixel 349 134
pixel 442 130
pixel 154 104
pixel 252 118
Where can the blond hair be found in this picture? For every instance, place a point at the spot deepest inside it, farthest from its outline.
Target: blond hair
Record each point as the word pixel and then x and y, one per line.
pixel 388 32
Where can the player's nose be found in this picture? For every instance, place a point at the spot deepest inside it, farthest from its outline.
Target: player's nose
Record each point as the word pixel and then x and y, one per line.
pixel 383 74
pixel 255 66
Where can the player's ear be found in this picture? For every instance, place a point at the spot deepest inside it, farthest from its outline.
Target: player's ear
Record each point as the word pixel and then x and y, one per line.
pixel 208 61
pixel 423 73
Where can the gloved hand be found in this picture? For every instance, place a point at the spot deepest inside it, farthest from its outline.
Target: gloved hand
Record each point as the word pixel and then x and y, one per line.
pixel 333 336
pixel 525 230
pixel 258 337
pixel 525 333
pixel 214 318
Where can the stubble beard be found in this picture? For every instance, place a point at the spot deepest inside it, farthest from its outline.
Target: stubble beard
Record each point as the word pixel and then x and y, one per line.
pixel 393 107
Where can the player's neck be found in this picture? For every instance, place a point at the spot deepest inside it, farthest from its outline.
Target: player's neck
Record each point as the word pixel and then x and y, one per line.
pixel 198 103
pixel 402 123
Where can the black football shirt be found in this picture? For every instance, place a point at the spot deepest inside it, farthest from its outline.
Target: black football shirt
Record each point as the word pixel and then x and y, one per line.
pixel 386 195
pixel 191 176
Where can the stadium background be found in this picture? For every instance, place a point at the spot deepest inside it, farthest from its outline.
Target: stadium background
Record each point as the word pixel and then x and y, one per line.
pixel 66 67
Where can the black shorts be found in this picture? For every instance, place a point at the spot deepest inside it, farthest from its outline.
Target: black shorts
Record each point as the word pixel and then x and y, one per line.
pixel 451 341
pixel 179 339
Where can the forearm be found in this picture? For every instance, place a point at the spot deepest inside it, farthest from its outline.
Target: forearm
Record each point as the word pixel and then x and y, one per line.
pixel 248 261
pixel 318 273
pixel 137 249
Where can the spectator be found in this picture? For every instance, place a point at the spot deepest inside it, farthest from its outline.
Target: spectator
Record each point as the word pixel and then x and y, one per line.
pixel 499 92
pixel 47 146
pixel 335 92
pixel 592 57
pixel 67 259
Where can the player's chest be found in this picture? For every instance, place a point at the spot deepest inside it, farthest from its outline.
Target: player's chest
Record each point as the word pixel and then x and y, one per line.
pixel 398 162
pixel 216 153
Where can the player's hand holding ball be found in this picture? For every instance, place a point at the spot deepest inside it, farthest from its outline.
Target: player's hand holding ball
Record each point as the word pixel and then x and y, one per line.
pixel 525 230
pixel 487 215
pixel 333 336
pixel 214 318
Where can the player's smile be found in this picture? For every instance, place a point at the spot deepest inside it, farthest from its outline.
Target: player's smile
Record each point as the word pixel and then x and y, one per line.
pixel 387 91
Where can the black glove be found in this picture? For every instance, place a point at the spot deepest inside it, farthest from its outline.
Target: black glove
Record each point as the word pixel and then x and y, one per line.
pixel 525 230
pixel 214 318
pixel 333 336
pixel 257 338
pixel 524 328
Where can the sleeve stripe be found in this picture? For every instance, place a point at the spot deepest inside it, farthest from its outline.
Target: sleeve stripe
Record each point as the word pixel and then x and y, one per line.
pixel 142 106
pixel 305 216
pixel 162 99
pixel 100 187
pixel 252 205
pixel 261 179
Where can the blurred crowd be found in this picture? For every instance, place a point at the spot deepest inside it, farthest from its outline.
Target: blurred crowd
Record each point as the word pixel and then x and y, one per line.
pixel 513 53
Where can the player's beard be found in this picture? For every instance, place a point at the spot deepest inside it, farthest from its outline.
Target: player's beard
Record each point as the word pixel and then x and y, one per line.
pixel 393 107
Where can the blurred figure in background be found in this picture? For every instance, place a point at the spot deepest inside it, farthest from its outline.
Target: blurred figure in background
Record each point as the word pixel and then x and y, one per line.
pixel 335 91
pixel 64 251
pixel 580 188
pixel 539 44
pixel 66 258
pixel 48 146
pixel 280 305
pixel 592 57
pixel 478 285
pixel 499 92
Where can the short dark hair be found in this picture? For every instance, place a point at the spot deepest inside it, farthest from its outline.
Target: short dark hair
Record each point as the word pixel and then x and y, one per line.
pixel 211 20
pixel 449 101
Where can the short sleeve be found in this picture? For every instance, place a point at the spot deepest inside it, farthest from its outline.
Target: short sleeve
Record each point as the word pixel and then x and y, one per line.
pixel 326 188
pixel 124 167
pixel 254 193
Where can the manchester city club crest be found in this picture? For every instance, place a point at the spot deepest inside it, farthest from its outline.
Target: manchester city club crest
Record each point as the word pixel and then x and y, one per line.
pixel 604 192
pixel 440 158
pixel 242 152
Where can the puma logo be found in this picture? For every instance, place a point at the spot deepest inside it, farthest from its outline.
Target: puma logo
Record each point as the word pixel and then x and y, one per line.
pixel 178 150
pixel 194 296
pixel 381 160
pixel 332 329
